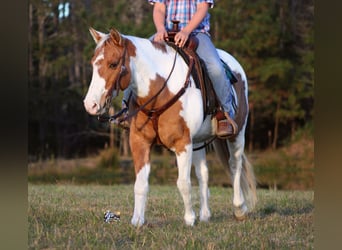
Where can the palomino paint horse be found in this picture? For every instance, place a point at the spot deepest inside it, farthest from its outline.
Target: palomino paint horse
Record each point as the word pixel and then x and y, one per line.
pixel 156 73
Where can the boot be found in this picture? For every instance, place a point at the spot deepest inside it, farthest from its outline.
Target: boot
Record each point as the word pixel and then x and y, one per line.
pixel 226 126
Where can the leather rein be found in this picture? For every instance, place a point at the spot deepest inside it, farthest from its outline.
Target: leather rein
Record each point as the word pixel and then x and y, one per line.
pixel 152 113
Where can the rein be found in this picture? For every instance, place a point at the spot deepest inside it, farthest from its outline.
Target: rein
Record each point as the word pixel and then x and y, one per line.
pixel 152 114
pixel 142 107
pixel 112 118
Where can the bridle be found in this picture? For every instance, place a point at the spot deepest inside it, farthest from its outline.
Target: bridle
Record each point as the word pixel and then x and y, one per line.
pixel 117 84
pixel 123 71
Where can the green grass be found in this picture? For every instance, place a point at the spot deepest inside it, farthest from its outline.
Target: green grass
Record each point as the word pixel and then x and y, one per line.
pixel 71 217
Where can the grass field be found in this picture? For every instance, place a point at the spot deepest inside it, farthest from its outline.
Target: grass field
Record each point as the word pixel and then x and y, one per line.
pixel 64 216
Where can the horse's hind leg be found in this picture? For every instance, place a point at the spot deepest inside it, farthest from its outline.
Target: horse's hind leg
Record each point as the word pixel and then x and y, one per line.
pixel 236 150
pixel 184 182
pixel 200 163
pixel 231 154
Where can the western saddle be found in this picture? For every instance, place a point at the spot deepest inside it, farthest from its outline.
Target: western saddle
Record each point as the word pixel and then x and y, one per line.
pixel 211 104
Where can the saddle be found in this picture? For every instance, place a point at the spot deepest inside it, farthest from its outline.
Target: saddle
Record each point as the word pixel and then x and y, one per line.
pixel 211 104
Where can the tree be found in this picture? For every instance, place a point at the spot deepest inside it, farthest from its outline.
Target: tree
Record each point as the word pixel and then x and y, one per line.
pixel 273 40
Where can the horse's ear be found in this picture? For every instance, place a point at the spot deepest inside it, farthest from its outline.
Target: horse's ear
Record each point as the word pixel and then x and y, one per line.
pixel 97 36
pixel 116 37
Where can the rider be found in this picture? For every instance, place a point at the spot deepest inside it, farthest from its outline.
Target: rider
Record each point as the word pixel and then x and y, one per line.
pixel 194 19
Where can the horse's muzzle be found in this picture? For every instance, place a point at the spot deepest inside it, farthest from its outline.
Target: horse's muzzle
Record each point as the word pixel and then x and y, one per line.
pixel 92 107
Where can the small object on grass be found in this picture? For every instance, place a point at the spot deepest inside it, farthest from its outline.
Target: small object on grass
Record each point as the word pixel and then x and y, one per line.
pixel 109 216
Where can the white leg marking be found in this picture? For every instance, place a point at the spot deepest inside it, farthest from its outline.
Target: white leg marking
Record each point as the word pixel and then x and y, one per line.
pixel 236 150
pixel 140 194
pixel 201 168
pixel 184 183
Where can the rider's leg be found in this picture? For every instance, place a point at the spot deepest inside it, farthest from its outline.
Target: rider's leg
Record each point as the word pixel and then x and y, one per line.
pixel 207 51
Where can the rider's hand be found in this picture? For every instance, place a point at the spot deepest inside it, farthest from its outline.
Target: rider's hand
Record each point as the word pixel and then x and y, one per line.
pixel 181 37
pixel 160 36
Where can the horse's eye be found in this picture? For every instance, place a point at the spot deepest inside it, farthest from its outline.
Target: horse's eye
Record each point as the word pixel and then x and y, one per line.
pixel 113 65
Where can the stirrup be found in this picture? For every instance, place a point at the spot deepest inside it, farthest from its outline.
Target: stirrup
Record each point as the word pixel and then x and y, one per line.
pixel 233 123
pixel 223 117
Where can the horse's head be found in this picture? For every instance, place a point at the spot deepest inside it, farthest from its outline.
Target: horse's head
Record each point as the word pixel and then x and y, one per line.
pixel 111 70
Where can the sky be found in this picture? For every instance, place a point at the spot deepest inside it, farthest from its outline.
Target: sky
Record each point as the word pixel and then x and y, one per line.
pixel 63 10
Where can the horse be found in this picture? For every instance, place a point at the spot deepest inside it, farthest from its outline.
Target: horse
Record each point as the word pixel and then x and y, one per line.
pixel 157 75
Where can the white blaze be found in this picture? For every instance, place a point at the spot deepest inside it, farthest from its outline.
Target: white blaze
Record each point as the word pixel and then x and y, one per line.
pixel 92 101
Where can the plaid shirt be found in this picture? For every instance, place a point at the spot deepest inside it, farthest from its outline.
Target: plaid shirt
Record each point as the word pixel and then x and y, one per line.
pixel 183 10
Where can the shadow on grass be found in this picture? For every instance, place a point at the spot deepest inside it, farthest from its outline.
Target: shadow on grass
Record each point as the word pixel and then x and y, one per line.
pixel 274 209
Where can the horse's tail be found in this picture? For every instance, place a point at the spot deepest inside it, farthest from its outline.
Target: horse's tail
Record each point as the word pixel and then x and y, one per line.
pixel 247 181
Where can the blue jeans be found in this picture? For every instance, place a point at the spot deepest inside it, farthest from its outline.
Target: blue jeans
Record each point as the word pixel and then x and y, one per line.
pixel 207 51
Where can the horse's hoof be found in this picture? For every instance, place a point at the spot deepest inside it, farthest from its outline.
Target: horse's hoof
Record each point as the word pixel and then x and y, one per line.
pixel 240 212
pixel 190 223
pixel 137 222
pixel 190 219
pixel 205 216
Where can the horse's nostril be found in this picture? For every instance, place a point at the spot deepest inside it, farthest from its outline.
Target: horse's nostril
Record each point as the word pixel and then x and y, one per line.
pixel 91 106
pixel 95 107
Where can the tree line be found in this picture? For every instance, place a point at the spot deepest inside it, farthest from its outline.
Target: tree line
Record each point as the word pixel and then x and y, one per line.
pixel 273 40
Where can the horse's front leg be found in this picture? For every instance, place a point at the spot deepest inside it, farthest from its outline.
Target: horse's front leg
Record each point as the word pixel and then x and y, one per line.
pixel 184 182
pixel 140 152
pixel 140 195
pixel 200 163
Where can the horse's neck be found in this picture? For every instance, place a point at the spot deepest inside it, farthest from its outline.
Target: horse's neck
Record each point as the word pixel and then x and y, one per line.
pixel 152 66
